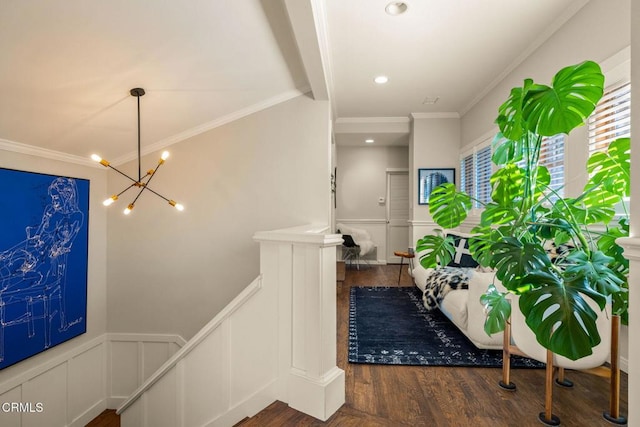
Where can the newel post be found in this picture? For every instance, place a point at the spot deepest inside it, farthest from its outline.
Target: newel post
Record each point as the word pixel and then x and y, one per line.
pixel 301 263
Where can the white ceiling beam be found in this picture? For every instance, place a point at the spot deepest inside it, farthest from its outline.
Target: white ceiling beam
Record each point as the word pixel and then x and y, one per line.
pixel 308 22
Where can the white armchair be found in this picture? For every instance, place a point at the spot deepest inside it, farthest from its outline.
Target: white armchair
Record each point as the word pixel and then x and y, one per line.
pixel 361 237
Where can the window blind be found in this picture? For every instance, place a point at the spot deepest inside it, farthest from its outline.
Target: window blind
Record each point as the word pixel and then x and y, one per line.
pixel 552 156
pixel 483 175
pixel 475 173
pixel 466 174
pixel 612 117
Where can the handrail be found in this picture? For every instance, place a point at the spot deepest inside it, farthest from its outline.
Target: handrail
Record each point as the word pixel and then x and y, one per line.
pixel 226 312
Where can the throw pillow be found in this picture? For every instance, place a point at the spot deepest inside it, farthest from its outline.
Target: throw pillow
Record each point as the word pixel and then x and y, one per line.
pixel 462 257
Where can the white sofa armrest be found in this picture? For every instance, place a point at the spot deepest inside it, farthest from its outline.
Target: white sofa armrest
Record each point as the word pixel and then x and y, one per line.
pixel 478 284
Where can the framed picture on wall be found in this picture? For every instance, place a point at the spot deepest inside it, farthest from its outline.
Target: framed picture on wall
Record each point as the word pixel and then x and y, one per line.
pixel 43 262
pixel 428 179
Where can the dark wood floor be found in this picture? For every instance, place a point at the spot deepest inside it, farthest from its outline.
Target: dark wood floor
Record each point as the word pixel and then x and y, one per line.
pixel 398 396
pixel 108 418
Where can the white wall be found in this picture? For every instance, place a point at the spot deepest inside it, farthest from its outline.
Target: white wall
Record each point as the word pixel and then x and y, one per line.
pixel 434 143
pixel 67 378
pixel 599 30
pixel 362 179
pixel 172 272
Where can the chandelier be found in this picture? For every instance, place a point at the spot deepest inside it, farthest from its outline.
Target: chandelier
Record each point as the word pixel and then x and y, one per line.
pixel 142 183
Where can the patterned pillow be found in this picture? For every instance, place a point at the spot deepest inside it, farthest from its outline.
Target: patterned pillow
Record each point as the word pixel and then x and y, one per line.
pixel 440 282
pixel 462 257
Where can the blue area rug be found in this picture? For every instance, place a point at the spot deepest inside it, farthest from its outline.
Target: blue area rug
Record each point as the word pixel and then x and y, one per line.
pixel 390 326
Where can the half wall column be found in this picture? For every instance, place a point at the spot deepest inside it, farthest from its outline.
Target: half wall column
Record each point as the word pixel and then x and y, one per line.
pixel 301 262
pixel 631 247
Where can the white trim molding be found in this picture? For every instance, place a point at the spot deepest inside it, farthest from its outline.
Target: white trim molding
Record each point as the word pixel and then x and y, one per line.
pixel 442 115
pixel 220 121
pixel 32 150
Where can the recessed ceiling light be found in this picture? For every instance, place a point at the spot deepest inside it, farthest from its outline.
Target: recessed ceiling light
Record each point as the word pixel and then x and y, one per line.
pixel 381 80
pixel 396 8
pixel 369 141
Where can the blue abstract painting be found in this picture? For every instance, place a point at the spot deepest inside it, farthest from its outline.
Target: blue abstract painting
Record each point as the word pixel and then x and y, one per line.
pixel 43 262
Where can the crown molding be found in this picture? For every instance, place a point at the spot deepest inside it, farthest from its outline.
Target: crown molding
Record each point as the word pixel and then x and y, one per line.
pixel 526 53
pixel 32 150
pixel 236 115
pixel 347 120
pixel 443 115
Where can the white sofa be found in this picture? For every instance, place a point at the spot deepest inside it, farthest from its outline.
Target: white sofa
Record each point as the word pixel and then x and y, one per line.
pixel 463 307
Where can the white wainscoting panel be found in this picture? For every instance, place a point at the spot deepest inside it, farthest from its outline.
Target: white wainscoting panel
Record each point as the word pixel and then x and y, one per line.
pixel 123 365
pixel 213 379
pixel 419 229
pixel 70 388
pixel 46 388
pixel 78 385
pixel 87 372
pixel 132 358
pixel 162 399
pixel 8 418
pixel 275 340
pixel 205 375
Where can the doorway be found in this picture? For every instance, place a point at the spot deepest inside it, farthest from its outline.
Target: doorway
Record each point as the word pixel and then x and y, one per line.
pixel 397 214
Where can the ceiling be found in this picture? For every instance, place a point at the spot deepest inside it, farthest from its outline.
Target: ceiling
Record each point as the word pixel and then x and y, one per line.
pixel 67 66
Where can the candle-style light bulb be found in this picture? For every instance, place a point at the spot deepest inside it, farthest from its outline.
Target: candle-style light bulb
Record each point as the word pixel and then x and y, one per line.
pixel 128 209
pixel 178 206
pixel 100 160
pixel 165 155
pixel 110 200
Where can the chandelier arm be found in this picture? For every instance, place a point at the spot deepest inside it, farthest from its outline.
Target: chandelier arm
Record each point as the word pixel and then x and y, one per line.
pixel 151 175
pixel 123 174
pixel 139 193
pixel 126 189
pixel 158 194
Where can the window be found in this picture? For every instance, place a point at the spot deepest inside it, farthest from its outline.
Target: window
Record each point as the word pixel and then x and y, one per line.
pixel 475 172
pixel 612 117
pixel 552 156
pixel 466 175
pixel 483 175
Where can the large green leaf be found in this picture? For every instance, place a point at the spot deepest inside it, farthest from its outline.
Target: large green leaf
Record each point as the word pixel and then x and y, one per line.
pixel 481 242
pixel 560 317
pixel 563 106
pixel 509 118
pixel 438 250
pixel 611 169
pixel 609 246
pixel 621 305
pixel 555 229
pixel 447 206
pixel 514 259
pixel 595 267
pixel 507 183
pixel 496 214
pixel 599 196
pixel 542 182
pixel 498 310
pixel 506 150
pixel 574 211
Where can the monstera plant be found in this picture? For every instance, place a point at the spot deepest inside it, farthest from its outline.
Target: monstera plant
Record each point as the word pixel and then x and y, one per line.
pixel 526 215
